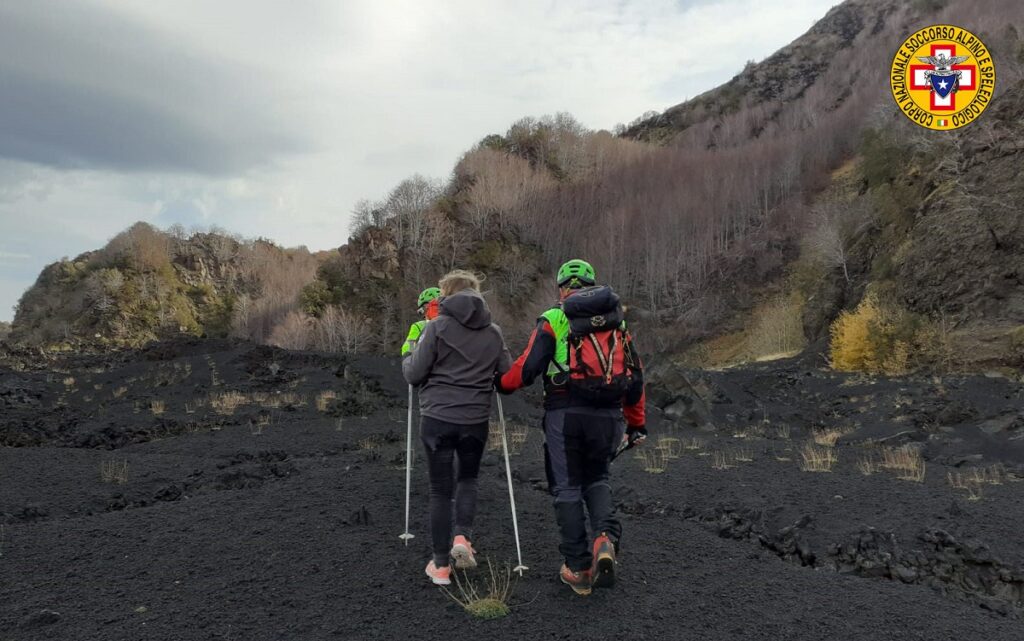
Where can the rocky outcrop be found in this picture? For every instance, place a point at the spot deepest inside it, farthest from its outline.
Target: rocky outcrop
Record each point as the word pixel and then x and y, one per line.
pixel 682 397
pixel 372 255
pixel 147 284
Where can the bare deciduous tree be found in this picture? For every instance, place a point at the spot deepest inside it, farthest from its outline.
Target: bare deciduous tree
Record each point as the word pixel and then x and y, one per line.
pixel 834 225
pixel 338 330
pixel 293 332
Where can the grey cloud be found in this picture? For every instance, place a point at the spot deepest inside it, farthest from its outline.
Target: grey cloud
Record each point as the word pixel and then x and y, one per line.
pixel 84 87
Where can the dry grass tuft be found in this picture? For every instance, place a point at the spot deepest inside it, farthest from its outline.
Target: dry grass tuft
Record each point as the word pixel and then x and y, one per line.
pixel 829 436
pixel 493 436
pixel 783 432
pixel 817 458
pixel 906 461
pixel 867 465
pixel 694 444
pixel 226 403
pixel 277 399
pixel 731 457
pixel 722 460
pixel 262 422
pixel 489 601
pixel 158 407
pixel 120 391
pixel 69 381
pixel 749 432
pixel 974 478
pixel 369 443
pixel 654 460
pixel 966 481
pixel 324 398
pixel 671 446
pixel 517 434
pixel 114 472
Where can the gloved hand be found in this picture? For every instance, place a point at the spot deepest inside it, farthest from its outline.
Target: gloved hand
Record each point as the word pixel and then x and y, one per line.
pixel 635 434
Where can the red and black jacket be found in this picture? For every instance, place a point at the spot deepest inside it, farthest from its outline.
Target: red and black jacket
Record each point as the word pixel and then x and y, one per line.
pixel 534 361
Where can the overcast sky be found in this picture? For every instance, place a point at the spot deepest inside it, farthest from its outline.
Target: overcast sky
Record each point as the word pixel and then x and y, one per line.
pixel 273 118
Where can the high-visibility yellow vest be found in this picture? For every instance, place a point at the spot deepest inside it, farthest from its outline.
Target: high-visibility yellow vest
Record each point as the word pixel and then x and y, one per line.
pixel 560 325
pixel 415 330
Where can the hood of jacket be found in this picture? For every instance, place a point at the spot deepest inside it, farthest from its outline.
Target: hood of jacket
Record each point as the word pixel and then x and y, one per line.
pixel 467 307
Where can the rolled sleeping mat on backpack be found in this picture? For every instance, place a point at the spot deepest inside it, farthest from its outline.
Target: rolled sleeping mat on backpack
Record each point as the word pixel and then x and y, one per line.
pixel 593 309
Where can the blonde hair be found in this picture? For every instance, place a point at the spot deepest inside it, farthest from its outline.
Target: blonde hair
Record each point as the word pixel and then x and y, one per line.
pixel 457 280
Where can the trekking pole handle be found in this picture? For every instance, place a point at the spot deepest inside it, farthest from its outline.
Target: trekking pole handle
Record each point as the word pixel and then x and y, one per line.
pixel 625 445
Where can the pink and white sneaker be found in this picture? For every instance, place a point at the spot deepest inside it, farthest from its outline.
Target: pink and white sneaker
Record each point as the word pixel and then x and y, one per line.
pixel 439 576
pixel 462 553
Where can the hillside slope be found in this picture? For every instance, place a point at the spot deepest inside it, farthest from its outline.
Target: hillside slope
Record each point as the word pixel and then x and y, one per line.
pixel 145 284
pixel 848 34
pixel 719 222
pixel 940 234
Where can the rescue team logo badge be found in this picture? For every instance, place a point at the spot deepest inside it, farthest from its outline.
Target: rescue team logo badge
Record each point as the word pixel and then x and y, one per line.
pixel 942 77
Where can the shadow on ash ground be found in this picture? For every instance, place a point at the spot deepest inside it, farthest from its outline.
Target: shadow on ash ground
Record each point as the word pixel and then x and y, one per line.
pixel 278 518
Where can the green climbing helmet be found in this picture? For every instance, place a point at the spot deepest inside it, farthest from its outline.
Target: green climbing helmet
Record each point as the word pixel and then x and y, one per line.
pixel 427 295
pixel 576 270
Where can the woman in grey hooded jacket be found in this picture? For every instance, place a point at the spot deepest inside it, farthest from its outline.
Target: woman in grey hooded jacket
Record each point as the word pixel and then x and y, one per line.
pixel 454 363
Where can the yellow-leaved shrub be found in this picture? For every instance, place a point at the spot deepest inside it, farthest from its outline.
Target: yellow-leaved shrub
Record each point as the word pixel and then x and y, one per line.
pixel 875 338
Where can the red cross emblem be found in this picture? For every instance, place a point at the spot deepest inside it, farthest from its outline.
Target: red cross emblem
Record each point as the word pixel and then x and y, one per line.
pixel 919 81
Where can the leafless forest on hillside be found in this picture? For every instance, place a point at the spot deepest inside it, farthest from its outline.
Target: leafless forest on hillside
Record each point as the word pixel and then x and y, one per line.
pixel 688 230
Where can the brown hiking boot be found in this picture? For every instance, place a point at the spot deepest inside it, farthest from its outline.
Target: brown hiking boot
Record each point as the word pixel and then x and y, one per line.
pixel 578 581
pixel 603 568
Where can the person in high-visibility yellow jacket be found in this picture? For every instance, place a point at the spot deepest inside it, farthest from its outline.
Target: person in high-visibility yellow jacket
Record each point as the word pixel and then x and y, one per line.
pixel 427 306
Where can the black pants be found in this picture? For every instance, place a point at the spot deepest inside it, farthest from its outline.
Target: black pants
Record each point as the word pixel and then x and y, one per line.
pixel 452 493
pixel 579 443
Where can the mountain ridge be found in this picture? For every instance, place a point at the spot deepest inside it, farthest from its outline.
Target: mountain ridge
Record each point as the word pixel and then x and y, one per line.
pixel 715 219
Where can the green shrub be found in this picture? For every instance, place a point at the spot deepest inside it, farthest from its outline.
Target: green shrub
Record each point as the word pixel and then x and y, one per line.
pixel 883 160
pixel 496 142
pixel 883 267
pixel 315 297
pixel 487 257
pixel 216 314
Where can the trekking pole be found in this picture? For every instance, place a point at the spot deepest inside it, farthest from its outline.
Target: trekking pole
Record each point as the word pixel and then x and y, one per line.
pixel 511 495
pixel 408 472
pixel 625 445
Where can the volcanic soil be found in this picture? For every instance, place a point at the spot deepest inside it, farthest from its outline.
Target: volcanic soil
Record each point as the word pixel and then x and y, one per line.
pixel 220 490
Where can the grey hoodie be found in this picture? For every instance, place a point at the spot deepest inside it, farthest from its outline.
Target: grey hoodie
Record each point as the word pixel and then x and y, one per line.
pixel 456 359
